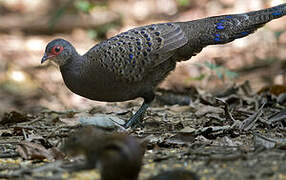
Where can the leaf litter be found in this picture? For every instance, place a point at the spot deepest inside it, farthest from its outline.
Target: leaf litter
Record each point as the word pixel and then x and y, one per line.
pixel 236 135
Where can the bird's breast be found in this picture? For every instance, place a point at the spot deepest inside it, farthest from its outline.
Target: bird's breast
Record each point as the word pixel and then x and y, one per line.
pixel 101 86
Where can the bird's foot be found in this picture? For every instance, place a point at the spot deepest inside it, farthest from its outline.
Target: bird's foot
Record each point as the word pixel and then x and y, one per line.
pixel 135 120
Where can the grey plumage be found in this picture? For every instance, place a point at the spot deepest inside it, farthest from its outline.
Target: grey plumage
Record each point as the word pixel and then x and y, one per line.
pixel 131 64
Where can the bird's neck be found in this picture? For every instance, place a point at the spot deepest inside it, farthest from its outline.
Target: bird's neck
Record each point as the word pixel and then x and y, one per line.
pixel 72 71
pixel 73 64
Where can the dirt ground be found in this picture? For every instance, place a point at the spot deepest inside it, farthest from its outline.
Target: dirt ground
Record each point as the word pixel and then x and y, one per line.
pixel 237 136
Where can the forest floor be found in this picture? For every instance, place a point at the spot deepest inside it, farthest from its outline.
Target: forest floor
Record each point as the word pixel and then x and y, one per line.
pixel 237 135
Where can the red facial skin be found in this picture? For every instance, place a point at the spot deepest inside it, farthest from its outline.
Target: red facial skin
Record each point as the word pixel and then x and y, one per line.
pixel 56 50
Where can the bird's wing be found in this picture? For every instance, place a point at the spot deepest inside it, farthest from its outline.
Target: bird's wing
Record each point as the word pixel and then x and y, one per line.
pixel 130 54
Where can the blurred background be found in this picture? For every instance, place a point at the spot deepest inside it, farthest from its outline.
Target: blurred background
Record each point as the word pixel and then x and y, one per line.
pixel 26 26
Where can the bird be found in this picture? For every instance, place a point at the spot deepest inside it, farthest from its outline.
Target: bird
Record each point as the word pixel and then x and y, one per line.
pixel 118 156
pixel 131 64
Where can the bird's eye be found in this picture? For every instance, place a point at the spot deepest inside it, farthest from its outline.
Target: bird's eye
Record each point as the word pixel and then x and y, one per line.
pixel 57 50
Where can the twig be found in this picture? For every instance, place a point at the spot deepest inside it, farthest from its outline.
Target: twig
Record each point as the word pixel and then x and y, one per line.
pixel 9 155
pixel 249 122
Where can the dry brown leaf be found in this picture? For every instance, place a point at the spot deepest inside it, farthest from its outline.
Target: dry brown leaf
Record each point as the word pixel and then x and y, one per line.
pixel 208 109
pixel 32 151
pixel 14 117
pixel 181 109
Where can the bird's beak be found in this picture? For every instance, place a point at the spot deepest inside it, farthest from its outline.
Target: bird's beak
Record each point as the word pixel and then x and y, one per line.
pixel 46 57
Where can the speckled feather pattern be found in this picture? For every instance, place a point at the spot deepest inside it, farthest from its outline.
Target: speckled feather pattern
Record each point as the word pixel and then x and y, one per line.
pixel 131 53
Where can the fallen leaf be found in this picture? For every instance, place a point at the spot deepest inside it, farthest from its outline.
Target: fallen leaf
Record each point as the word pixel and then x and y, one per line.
pixel 202 111
pixel 102 121
pixel 177 108
pixel 31 151
pixel 14 117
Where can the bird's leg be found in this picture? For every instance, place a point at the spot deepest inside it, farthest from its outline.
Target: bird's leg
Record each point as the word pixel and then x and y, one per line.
pixel 135 119
pixel 148 97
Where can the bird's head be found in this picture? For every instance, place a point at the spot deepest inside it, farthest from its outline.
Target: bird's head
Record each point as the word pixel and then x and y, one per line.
pixel 58 51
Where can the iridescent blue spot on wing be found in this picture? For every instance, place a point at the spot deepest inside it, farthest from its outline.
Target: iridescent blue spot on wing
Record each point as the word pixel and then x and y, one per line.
pixel 149 49
pixel 228 17
pixel 152 28
pixel 138 43
pixel 217 35
pixel 159 39
pixel 131 56
pixel 125 32
pixel 148 39
pixel 149 44
pixel 278 13
pixel 217 39
pixel 223 20
pixel 142 32
pixel 244 33
pixel 157 33
pixel 220 27
pixel 145 35
pixel 169 24
pixel 139 48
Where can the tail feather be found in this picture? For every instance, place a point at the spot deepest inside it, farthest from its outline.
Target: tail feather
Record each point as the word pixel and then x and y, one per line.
pixel 226 28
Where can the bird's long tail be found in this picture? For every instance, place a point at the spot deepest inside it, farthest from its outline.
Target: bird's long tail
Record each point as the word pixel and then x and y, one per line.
pixel 226 28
